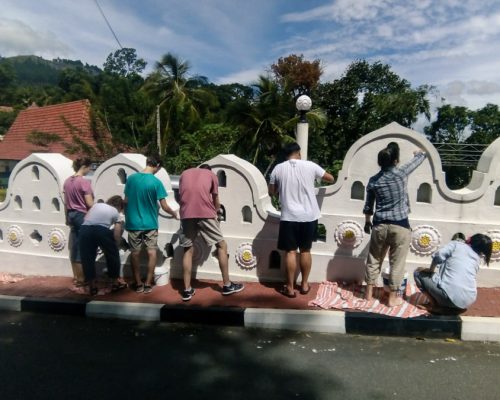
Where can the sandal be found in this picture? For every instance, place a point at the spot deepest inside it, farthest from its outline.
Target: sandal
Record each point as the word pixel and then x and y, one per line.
pixel 115 287
pixel 284 291
pixel 305 291
pixel 139 288
pixel 148 289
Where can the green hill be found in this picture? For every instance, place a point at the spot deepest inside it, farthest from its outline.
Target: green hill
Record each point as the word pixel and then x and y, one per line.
pixel 34 70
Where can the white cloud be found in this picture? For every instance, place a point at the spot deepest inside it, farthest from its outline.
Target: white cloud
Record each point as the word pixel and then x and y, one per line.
pixel 245 77
pixel 18 38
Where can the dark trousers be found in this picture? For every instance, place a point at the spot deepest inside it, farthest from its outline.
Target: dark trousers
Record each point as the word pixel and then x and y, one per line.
pixel 75 221
pixel 92 237
pixel 424 282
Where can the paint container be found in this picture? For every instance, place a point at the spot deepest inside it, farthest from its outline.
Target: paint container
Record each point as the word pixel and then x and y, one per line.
pixel 161 276
pixel 402 289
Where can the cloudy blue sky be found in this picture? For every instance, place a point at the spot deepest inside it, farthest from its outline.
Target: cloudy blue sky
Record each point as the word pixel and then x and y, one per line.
pixel 452 44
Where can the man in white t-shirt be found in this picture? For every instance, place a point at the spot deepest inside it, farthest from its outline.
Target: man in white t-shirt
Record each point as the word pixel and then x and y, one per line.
pixel 293 180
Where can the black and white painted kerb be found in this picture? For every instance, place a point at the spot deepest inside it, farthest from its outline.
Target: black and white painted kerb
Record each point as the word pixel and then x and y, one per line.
pixel 464 328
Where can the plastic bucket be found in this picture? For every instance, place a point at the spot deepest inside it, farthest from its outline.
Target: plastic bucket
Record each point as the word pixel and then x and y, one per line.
pixel 402 288
pixel 161 276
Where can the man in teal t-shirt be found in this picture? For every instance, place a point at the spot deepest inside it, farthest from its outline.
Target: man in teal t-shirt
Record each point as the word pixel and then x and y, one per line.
pixel 143 193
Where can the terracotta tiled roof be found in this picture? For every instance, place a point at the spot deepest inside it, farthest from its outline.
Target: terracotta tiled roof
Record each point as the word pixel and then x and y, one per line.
pixel 56 119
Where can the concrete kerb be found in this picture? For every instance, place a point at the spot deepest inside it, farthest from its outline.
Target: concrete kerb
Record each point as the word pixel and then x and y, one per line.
pixel 465 328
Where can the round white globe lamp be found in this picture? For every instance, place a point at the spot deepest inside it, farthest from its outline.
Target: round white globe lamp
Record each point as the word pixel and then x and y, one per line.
pixel 303 105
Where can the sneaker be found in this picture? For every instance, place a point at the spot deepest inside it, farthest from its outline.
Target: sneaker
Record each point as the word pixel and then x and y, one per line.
pixel 187 294
pixel 232 288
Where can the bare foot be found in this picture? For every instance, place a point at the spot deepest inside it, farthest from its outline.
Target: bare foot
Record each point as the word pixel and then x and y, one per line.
pixel 395 302
pixel 369 292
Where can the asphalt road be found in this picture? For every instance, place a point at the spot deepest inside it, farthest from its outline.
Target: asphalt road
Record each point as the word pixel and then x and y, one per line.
pixel 65 357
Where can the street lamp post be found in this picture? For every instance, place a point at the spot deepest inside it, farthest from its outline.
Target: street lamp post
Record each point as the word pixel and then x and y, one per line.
pixel 303 105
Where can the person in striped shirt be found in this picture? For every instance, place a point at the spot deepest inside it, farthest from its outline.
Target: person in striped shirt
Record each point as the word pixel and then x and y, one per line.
pixel 386 217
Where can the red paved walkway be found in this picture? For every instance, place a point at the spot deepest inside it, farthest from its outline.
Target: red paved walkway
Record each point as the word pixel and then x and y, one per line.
pixel 255 295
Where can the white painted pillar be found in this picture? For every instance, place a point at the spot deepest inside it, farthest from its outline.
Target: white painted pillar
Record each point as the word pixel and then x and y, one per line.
pixel 302 136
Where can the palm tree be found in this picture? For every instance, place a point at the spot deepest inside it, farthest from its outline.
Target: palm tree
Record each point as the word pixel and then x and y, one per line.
pixel 268 122
pixel 182 98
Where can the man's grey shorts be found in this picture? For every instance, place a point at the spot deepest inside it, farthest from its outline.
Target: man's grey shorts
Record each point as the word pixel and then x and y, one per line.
pixel 139 239
pixel 207 228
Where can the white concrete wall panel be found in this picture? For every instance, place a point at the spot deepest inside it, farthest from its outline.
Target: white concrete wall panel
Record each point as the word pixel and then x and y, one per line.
pixel 33 236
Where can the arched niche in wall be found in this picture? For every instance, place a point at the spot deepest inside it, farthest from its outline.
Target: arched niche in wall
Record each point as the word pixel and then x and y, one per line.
pixel 358 191
pixel 497 197
pixel 56 206
pixel 221 177
pixel 35 237
pixel 36 203
pixel 320 233
pixel 122 176
pixel 424 193
pixel 274 260
pixel 35 173
pixel 222 213
pixel 18 202
pixel 246 213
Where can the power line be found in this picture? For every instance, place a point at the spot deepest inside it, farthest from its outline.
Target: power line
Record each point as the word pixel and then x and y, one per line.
pixel 109 25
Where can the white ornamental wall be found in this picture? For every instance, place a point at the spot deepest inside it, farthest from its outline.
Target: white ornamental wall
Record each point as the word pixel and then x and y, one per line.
pixel 33 237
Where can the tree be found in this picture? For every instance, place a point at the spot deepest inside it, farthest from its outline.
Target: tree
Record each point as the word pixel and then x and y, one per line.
pixel 267 122
pixel 485 125
pixel 124 62
pixel 367 97
pixel 450 125
pixel 296 74
pixel 182 99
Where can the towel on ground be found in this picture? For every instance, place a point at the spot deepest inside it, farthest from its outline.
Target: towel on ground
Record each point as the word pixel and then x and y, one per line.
pixel 351 297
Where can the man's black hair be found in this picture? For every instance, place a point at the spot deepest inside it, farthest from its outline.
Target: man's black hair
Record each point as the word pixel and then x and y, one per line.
pixel 153 160
pixel 385 158
pixel 205 166
pixel 291 148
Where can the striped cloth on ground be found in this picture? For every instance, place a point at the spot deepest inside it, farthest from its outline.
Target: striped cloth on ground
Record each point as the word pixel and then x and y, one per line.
pixel 351 297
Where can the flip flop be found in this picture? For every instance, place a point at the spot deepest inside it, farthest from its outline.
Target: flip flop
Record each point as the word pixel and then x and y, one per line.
pixel 284 292
pixel 302 291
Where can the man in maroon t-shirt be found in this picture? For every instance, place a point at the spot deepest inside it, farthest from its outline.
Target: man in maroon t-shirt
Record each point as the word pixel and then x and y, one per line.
pixel 199 201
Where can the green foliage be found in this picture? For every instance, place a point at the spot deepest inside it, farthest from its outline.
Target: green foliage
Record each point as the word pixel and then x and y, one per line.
pixel 43 139
pixel 367 97
pixel 124 62
pixel 450 125
pixel 6 120
pixel 200 146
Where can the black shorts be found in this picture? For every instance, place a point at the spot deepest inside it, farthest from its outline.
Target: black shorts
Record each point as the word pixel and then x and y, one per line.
pixel 293 235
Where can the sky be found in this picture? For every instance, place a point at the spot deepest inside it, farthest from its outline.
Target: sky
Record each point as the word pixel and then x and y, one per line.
pixel 453 45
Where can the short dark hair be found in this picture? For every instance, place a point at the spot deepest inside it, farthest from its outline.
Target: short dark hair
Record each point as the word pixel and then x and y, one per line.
pixel 481 244
pixel 291 148
pixel 205 166
pixel 385 159
pixel 393 147
pixel 458 236
pixel 115 201
pixel 153 160
pixel 81 162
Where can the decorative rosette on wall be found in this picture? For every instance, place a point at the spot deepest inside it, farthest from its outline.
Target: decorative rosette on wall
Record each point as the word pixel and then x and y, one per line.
pixel 57 239
pixel 15 235
pixel 425 240
pixel 494 234
pixel 349 234
pixel 244 256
